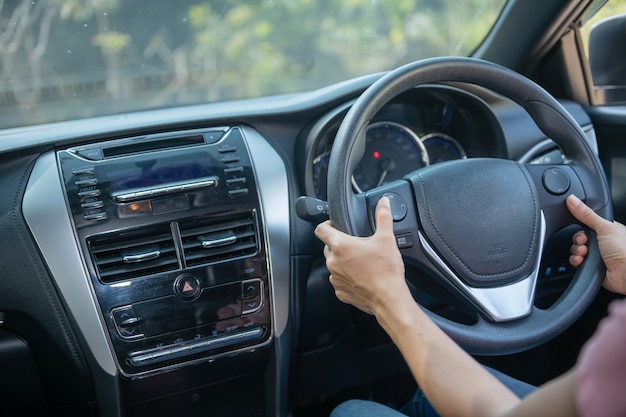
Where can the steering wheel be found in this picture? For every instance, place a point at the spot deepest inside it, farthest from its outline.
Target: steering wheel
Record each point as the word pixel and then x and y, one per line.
pixel 479 225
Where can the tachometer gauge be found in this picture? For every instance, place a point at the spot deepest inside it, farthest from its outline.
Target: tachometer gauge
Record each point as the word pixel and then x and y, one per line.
pixel 442 147
pixel 391 152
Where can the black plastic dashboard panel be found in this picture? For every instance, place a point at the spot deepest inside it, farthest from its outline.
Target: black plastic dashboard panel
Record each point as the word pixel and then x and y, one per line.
pixel 170 230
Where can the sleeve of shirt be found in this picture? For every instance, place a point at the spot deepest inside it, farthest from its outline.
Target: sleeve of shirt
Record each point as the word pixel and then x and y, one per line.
pixel 601 368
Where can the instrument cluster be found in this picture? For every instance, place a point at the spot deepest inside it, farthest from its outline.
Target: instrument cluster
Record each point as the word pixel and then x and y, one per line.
pixel 425 127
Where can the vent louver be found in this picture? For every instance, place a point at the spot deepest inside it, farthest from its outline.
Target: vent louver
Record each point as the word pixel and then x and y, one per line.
pixel 133 254
pixel 208 240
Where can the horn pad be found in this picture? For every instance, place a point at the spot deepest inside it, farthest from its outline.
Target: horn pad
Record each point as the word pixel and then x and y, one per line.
pixel 482 216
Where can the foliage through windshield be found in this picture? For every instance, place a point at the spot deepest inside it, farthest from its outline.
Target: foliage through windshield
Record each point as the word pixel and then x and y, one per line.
pixel 67 59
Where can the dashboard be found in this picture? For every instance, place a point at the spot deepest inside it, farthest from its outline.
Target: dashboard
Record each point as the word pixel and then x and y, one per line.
pixel 171 240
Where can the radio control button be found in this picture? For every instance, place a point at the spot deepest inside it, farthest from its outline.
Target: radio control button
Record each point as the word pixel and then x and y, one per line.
pixel 238 193
pixel 227 149
pixel 89 193
pixel 236 181
pixel 214 136
pixel 96 216
pixel 92 205
pixel 230 160
pixel 86 183
pixel 126 322
pixel 84 171
pixel 252 294
pixel 233 171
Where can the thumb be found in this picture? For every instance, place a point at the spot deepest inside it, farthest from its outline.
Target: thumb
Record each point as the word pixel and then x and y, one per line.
pixel 384 219
pixel 584 213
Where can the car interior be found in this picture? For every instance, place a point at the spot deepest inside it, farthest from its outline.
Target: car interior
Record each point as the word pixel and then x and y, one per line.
pixel 163 262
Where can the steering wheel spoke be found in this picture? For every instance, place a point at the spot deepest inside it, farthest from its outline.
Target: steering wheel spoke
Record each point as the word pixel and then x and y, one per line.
pixel 497 303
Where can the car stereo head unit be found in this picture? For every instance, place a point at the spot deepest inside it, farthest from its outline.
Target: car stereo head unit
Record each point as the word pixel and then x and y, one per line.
pixel 172 237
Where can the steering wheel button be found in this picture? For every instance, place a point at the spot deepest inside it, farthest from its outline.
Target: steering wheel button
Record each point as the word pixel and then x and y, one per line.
pixel 398 206
pixel 556 181
pixel 404 241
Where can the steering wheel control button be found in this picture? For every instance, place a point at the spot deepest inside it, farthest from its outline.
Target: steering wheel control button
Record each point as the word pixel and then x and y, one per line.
pixel 404 241
pixel 556 181
pixel 398 206
pixel 187 287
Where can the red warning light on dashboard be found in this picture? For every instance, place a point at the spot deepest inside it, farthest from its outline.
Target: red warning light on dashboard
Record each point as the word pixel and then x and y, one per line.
pixel 376 154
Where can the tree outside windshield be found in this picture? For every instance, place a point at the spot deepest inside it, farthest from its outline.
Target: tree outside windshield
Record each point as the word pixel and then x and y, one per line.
pixel 68 59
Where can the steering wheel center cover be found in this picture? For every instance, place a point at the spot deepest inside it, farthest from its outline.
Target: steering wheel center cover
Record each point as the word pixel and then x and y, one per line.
pixel 482 216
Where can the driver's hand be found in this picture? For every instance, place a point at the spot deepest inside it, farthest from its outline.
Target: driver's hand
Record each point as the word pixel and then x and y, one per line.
pixel 365 272
pixel 611 241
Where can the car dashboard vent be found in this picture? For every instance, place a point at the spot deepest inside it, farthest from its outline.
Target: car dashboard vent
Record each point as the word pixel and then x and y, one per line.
pixel 153 250
pixel 208 241
pixel 136 253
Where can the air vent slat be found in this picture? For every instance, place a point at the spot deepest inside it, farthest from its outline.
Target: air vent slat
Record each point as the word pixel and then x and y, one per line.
pixel 196 229
pixel 126 241
pixel 215 240
pixel 134 254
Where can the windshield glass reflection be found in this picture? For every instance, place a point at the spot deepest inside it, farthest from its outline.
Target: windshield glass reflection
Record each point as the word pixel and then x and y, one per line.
pixel 68 59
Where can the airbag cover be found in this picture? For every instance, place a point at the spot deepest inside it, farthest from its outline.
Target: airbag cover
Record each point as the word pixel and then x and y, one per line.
pixel 482 217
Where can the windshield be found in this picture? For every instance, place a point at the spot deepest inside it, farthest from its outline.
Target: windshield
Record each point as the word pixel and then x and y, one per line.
pixel 68 59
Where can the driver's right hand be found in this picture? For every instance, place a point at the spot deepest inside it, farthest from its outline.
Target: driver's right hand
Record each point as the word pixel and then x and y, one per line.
pixel 611 241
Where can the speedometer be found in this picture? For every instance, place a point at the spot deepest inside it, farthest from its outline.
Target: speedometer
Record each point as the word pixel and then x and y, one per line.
pixel 391 152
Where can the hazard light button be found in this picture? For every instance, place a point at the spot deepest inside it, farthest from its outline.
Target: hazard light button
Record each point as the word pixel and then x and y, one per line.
pixel 187 287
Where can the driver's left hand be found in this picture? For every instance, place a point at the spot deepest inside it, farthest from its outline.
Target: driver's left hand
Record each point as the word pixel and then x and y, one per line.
pixel 366 272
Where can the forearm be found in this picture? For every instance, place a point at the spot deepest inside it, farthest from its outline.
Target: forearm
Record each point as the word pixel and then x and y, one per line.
pixel 452 380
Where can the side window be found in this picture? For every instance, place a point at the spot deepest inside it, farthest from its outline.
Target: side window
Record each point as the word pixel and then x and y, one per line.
pixel 604 36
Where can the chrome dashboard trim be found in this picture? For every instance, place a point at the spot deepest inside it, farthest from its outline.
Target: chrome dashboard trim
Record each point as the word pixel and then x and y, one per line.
pixel 47 217
pixel 273 187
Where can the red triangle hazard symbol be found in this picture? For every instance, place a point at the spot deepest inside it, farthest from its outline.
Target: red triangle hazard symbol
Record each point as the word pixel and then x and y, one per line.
pixel 187 287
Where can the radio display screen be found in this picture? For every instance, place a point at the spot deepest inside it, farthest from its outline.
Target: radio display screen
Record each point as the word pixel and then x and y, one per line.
pixel 151 173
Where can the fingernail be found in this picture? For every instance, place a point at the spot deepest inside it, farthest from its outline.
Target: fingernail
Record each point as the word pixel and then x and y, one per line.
pixel 575 200
pixel 385 201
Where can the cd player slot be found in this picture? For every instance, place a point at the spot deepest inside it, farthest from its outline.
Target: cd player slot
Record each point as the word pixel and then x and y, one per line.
pixel 165 189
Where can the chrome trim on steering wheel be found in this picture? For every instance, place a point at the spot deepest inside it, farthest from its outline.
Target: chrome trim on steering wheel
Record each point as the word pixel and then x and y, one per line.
pixel 499 304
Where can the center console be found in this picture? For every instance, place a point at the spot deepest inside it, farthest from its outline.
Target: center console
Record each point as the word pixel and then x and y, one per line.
pixel 171 231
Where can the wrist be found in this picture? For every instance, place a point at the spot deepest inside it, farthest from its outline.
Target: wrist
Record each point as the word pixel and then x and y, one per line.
pixel 398 313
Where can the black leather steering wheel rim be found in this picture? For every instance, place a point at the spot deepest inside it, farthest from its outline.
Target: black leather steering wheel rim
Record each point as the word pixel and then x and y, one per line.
pixel 348 213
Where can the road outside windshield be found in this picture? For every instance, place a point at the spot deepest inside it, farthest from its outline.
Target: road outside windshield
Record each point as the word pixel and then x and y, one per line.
pixel 69 59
